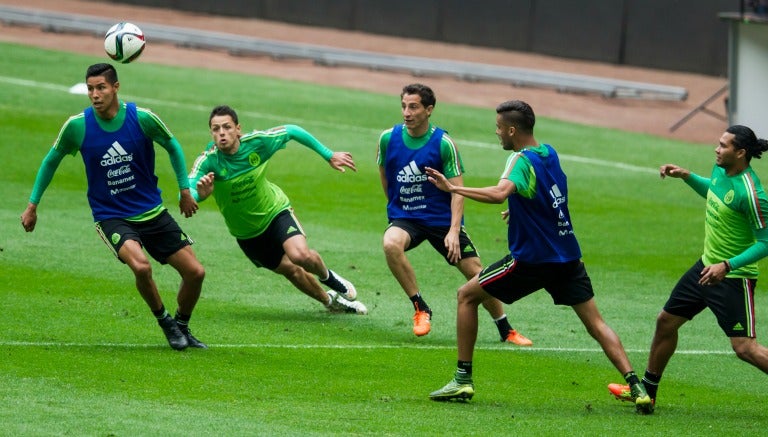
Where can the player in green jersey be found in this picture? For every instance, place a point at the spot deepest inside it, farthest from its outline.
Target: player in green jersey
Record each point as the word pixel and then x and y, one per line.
pixel 258 213
pixel 724 278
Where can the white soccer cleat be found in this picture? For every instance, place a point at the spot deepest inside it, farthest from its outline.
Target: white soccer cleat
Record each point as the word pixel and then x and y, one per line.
pixel 341 305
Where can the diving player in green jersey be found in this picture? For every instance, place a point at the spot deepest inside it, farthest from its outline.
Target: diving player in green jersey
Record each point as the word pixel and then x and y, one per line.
pixel 724 278
pixel 258 213
pixel 116 141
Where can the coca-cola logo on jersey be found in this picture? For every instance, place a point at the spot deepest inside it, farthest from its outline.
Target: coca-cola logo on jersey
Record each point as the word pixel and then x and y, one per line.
pixel 122 170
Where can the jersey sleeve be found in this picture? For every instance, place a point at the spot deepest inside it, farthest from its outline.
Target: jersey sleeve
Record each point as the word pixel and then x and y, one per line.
pixel 200 168
pixel 68 142
pixel 178 162
pixel 155 129
pixel 452 164
pixel 519 170
pixel 754 253
pixel 698 183
pixel 756 208
pixel 71 135
pixel 300 135
pixel 45 173
pixel 381 150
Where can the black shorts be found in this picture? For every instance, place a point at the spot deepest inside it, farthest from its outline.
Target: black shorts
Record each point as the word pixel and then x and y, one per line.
pixel 731 300
pixel 510 280
pixel 266 249
pixel 160 236
pixel 436 237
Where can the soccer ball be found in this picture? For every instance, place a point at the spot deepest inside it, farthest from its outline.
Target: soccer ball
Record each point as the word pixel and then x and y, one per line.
pixel 124 42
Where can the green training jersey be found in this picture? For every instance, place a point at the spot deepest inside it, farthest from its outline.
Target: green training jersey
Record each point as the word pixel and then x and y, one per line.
pixel 246 199
pixel 735 225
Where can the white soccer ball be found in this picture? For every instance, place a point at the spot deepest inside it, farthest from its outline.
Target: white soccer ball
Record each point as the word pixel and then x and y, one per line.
pixel 124 42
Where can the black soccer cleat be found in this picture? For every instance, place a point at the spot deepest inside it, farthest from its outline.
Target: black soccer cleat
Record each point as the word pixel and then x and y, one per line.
pixel 175 337
pixel 193 342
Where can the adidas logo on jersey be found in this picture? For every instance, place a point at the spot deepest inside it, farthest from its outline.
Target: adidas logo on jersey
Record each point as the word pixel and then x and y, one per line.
pixel 411 173
pixel 558 197
pixel 115 155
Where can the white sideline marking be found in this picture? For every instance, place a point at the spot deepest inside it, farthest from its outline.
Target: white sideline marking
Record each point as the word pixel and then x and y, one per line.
pixel 343 346
pixel 281 119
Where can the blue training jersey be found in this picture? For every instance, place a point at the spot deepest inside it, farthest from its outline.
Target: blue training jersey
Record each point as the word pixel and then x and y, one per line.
pixel 540 229
pixel 411 195
pixel 120 167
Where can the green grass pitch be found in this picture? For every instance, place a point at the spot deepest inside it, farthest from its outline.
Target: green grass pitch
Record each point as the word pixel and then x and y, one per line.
pixel 81 355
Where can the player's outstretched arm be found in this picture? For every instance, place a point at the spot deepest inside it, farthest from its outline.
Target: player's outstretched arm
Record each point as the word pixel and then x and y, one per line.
pixel 42 180
pixel 491 194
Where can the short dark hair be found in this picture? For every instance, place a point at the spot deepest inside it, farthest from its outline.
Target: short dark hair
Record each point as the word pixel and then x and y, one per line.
pixel 106 70
pixel 223 110
pixel 745 138
pixel 423 91
pixel 519 114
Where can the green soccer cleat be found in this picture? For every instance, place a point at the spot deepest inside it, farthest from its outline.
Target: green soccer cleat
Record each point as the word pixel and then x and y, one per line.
pixel 454 391
pixel 643 403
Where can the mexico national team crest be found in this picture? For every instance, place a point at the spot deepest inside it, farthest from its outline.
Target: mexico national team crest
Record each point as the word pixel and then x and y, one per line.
pixel 728 197
pixel 254 159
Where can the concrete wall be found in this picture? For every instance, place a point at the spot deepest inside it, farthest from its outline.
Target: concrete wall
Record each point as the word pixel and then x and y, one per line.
pixel 681 35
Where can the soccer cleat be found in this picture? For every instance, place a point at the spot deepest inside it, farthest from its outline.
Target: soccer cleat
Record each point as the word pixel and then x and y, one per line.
pixel 193 342
pixel 175 337
pixel 621 392
pixel 644 404
pixel 517 338
pixel 454 390
pixel 422 322
pixel 341 305
pixel 341 285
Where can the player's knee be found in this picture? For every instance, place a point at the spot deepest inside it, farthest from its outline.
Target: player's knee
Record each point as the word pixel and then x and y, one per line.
pixel 666 323
pixel 744 350
pixel 291 272
pixel 304 258
pixel 391 247
pixel 468 295
pixel 141 268
pixel 195 274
